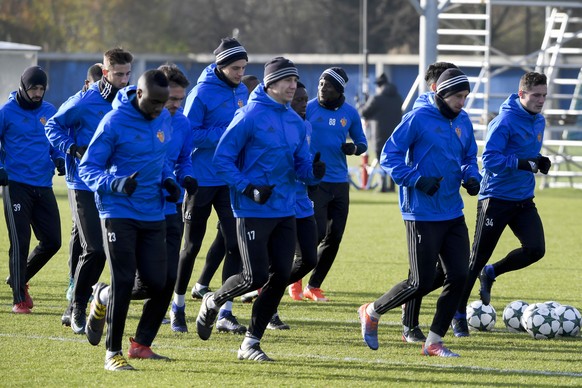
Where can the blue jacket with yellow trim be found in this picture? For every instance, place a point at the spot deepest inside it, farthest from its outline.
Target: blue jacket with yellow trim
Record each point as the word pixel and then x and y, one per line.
pixel 125 142
pixel 428 144
pixel 210 106
pixel 265 144
pixel 25 152
pixel 513 134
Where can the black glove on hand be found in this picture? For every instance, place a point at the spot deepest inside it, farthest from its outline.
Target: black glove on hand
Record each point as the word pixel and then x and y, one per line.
pixel 472 186
pixel 191 185
pixel 3 177
pixel 530 165
pixel 60 165
pixel 318 166
pixel 428 185
pixel 126 185
pixel 259 194
pixel 544 164
pixel 349 148
pixel 77 152
pixel 173 190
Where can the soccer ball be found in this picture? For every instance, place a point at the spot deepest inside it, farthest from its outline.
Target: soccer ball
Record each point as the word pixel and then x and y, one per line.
pixel 529 310
pixel 552 304
pixel 512 316
pixel 480 316
pixel 570 320
pixel 543 323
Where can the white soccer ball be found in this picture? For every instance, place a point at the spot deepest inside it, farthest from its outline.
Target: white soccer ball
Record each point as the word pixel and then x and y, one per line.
pixel 543 323
pixel 512 316
pixel 552 304
pixel 480 316
pixel 570 320
pixel 529 310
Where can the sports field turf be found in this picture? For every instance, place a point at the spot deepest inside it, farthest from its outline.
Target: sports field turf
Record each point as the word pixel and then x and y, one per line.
pixel 324 347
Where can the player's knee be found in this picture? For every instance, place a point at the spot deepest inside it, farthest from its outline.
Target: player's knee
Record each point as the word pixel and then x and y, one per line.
pixel 535 253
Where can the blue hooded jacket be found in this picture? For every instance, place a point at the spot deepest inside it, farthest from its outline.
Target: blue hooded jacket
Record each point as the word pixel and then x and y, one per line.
pixel 265 144
pixel 210 106
pixel 428 144
pixel 75 123
pixel 514 134
pixel 25 152
pixel 125 142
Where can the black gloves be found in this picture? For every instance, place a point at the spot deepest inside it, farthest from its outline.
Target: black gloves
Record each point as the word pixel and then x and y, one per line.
pixel 472 186
pixel 530 165
pixel 77 152
pixel 3 177
pixel 191 185
pixel 544 164
pixel 259 194
pixel 60 165
pixel 318 166
pixel 173 190
pixel 428 185
pixel 349 148
pixel 125 185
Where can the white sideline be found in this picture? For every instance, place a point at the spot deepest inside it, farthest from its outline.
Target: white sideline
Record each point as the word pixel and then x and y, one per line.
pixel 371 360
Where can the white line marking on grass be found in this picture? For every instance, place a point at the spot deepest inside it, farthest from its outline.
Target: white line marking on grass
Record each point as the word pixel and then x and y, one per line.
pixel 336 359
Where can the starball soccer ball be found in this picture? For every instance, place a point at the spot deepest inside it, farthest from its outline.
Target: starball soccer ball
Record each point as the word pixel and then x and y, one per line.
pixel 529 310
pixel 512 316
pixel 570 320
pixel 543 323
pixel 480 316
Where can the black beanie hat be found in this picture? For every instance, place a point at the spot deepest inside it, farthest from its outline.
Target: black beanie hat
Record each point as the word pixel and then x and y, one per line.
pixel 277 69
pixel 228 51
pixel 337 76
pixel 450 82
pixel 32 76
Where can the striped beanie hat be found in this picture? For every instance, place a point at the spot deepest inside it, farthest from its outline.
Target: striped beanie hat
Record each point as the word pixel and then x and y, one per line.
pixel 337 76
pixel 228 51
pixel 450 82
pixel 277 69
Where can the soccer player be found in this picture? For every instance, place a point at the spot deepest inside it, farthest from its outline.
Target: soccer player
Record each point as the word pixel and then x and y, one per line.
pixel 210 106
pixel 94 74
pixel 333 120
pixel 511 158
pixel 429 155
pixel 126 166
pixel 260 155
pixel 27 165
pixel 411 331
pixel 70 130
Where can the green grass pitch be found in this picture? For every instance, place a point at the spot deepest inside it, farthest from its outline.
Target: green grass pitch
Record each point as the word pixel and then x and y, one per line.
pixel 324 347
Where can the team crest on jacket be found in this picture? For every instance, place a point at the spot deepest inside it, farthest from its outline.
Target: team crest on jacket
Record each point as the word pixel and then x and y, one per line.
pixel 160 135
pixel 344 122
pixel 240 103
pixel 43 120
pixel 458 132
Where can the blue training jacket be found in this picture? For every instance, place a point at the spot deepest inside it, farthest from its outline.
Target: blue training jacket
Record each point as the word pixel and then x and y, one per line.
pixel 330 130
pixel 265 144
pixel 210 106
pixel 179 151
pixel 25 152
pixel 125 142
pixel 75 123
pixel 426 143
pixel 513 134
